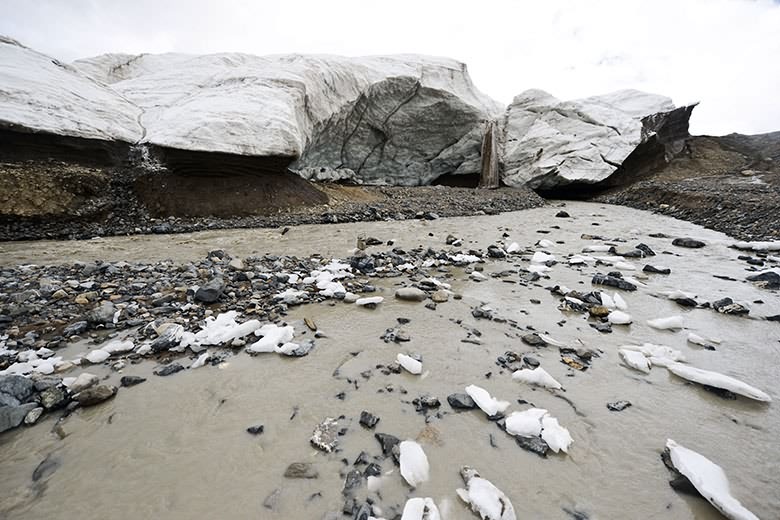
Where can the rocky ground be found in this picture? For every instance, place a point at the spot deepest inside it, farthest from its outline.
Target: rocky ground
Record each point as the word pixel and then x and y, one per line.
pixel 730 184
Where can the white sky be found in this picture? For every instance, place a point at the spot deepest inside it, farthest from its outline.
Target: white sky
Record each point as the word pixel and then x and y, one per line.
pixel 723 53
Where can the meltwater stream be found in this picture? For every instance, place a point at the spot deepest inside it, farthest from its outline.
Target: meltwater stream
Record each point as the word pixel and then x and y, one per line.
pixel 177 448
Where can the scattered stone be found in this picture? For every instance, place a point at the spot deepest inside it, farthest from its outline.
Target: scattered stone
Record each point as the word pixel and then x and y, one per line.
pixel 15 389
pixel 102 314
pixel 688 242
pixel 461 401
pixel 389 444
pixel 53 398
pixel 74 329
pixel 301 470
pixel 368 419
pixel 211 290
pixel 534 340
pixel 256 430
pixel 727 306
pixel 325 435
pixel 95 395
pixel 168 339
pixel 562 214
pixel 12 416
pixel 532 444
pixel 613 281
pixel 168 369
pixel 645 249
pixel 495 252
pixel 33 416
pixel 440 296
pixel 656 270
pixel 412 294
pixel 618 406
pixel 131 380
pixel 82 382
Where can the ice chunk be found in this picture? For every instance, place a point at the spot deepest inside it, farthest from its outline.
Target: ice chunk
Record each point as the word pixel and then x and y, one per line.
pixel 272 336
pixel 619 318
pixel 409 363
pixel 540 257
pixel 464 259
pixel 420 509
pixel 514 247
pixel 201 360
pixel 538 376
pixel 607 301
pixel 488 404
pixel 706 377
pixel 620 303
pixel 414 464
pixel 485 499
pixel 758 246
pixel 551 341
pixel 539 269
pixel 373 300
pixel 596 249
pixel 222 329
pixel 547 244
pixel 527 423
pixel 709 479
pixel 670 323
pixel 556 436
pixel 116 347
pixel 635 360
pixel 625 266
pixel 698 340
pixel 476 275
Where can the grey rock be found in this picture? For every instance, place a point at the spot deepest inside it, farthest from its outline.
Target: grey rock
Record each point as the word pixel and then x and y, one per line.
pixel 534 340
pixel 75 329
pixel 272 500
pixel 46 468
pixel 368 419
pixel 495 252
pixel 688 242
pixel 102 314
pixel 412 294
pixel 168 369
pixel 728 306
pixel 301 470
pixel 532 444
pixel 131 380
pixel 618 406
pixel 33 416
pixel 12 416
pixel 389 443
pixel 352 482
pixel 440 296
pixel 53 398
pixel 256 430
pixel 461 401
pixel 95 395
pixel 613 281
pixel 169 338
pixel 45 382
pixel 656 270
pixel 18 387
pixel 211 290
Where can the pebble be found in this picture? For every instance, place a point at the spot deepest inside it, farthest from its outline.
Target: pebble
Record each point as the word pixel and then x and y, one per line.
pixel 368 419
pixel 618 406
pixel 301 470
pixel 168 369
pixel 688 242
pixel 412 294
pixel 131 380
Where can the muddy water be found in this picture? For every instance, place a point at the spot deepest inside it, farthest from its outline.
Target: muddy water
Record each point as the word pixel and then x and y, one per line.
pixel 176 447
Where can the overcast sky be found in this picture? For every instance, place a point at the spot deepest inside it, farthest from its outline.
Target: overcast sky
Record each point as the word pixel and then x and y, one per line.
pixel 723 53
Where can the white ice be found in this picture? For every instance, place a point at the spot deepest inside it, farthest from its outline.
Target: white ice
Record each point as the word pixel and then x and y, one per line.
pixel 488 404
pixel 670 323
pixel 485 499
pixel 620 303
pixel 201 360
pixel 410 364
pixel 625 266
pixel 552 341
pixel 272 336
pixel 414 464
pixel 706 377
pixel 527 423
pixel 373 300
pixel 119 346
pixel 97 356
pixel 538 376
pixel 514 247
pixel 420 509
pixel 619 318
pixel 709 479
pixel 556 436
pixel 607 301
pixel 635 360
pixel 540 257
pixel 758 246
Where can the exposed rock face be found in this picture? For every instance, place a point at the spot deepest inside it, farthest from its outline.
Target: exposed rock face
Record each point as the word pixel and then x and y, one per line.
pixel 550 143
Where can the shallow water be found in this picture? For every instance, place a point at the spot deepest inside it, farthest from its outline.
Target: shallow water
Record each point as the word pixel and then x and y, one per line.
pixel 176 447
